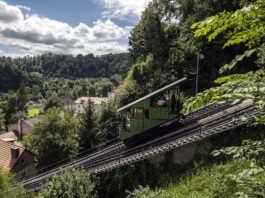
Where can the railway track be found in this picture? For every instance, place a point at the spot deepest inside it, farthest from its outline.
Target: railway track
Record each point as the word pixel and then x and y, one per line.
pixel 162 144
pixel 212 121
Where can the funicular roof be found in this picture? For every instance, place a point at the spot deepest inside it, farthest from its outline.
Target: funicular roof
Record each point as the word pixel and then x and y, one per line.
pixel 152 94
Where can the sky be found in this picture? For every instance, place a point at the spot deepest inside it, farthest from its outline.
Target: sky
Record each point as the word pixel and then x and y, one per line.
pixel 31 27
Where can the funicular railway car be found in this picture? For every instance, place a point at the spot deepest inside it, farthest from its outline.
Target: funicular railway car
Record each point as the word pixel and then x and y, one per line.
pixel 151 115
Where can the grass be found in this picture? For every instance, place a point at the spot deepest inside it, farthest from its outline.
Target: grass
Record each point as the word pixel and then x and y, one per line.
pixel 32 113
pixel 207 182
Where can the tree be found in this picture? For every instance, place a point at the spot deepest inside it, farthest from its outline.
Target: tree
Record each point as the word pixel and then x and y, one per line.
pixel 108 123
pixel 8 71
pixel 55 137
pixel 87 127
pixel 2 121
pixel 53 101
pixel 245 26
pixel 148 36
pixel 6 181
pixel 10 108
pixel 69 184
pixel 35 92
pixel 22 96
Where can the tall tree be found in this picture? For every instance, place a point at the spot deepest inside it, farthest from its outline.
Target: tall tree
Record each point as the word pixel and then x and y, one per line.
pixel 245 26
pixel 55 138
pixel 22 96
pixel 2 121
pixel 108 123
pixel 87 128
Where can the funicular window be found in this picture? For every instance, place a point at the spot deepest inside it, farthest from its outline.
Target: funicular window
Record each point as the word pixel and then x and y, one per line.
pixel 146 114
pixel 159 101
pixel 136 112
pixel 126 124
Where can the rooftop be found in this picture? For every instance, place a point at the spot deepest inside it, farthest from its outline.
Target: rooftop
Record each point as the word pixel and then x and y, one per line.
pixel 9 136
pixel 31 122
pixel 95 100
pixel 6 160
pixel 153 93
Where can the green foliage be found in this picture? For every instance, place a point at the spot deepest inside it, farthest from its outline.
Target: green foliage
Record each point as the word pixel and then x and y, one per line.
pixel 69 184
pixel 2 121
pixel 53 102
pixel 98 127
pixel 164 49
pixel 87 129
pixel 55 137
pixel 22 96
pixel 77 88
pixel 148 36
pixel 108 121
pixel 235 88
pixel 208 181
pixel 33 112
pixel 244 26
pixel 6 181
pixel 145 192
pixel 127 92
pixel 10 75
pixel 251 179
pixel 240 175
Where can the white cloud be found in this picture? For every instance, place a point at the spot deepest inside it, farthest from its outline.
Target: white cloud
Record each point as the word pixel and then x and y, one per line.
pixel 34 34
pixel 9 13
pixel 22 7
pixel 129 10
pixel 108 30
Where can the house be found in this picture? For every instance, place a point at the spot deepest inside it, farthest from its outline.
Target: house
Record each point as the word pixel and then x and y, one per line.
pixel 11 137
pixel 80 104
pixel 67 101
pixel 17 159
pixel 23 127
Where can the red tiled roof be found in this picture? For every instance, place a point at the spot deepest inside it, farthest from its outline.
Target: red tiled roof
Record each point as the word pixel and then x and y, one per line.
pixel 6 160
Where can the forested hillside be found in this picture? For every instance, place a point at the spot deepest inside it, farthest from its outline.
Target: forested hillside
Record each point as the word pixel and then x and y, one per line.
pixel 224 39
pixel 163 47
pixel 229 38
pixel 32 69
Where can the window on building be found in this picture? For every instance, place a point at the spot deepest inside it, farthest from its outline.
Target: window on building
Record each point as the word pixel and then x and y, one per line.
pixel 23 174
pixel 126 123
pixel 146 114
pixel 22 160
pixel 136 112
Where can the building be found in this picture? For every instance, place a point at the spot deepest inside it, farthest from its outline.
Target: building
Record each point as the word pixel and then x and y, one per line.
pixel 80 104
pixel 11 137
pixel 23 127
pixel 67 101
pixel 35 105
pixel 17 159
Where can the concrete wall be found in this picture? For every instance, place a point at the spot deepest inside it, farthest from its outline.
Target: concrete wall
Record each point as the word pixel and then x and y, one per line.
pixel 185 154
pixel 197 150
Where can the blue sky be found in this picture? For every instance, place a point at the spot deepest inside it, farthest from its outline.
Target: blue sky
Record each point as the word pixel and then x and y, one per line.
pixel 29 27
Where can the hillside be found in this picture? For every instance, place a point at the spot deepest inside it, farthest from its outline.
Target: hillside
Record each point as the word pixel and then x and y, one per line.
pixel 219 46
